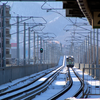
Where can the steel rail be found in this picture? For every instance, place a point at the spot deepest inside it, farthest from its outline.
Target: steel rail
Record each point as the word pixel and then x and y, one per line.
pixel 68 88
pixel 41 89
pixel 35 88
pixel 44 74
pixel 29 94
pixel 1 94
pixel 64 90
pixel 81 88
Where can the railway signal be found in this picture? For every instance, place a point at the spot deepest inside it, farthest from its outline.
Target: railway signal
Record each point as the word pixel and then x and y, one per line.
pixel 41 50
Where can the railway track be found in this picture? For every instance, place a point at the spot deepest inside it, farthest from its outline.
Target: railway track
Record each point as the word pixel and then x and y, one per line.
pixel 86 88
pixel 17 84
pixel 40 84
pixel 66 91
pixel 28 91
pixel 26 81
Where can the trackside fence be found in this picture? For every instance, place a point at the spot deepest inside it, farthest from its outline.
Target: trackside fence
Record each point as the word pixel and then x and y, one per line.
pixel 92 82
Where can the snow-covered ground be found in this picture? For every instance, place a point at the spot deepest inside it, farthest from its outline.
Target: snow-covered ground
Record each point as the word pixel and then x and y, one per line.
pixel 55 88
pixel 58 84
pixel 25 80
pixel 92 83
pixel 22 81
pixel 75 87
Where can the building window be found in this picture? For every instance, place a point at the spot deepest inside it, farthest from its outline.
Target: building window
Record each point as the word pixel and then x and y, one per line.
pixel 7 41
pixel 7 52
pixel 7 61
pixel 7 32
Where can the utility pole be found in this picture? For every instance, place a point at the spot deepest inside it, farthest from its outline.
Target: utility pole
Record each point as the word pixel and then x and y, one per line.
pixel 29 45
pixel 79 54
pixel 37 48
pixel 46 54
pixel 97 51
pixel 43 51
pixel 40 47
pixel 90 47
pixel 88 51
pixel 94 46
pixel 93 49
pixel 84 54
pixel 34 49
pixel 17 40
pixel 24 51
pixel 4 35
pixel 97 64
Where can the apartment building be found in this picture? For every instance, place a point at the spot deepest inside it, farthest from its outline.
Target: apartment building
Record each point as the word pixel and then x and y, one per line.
pixel 8 35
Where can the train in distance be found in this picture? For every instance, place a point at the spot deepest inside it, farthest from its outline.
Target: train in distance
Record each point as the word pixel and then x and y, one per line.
pixel 70 61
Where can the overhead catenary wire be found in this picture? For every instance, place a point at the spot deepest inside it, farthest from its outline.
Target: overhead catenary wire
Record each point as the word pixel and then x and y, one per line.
pixel 74 24
pixel 61 15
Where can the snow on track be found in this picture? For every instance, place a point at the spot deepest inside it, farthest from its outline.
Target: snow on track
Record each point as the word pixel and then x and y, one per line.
pixel 55 87
pixel 30 86
pixel 75 87
pixel 92 84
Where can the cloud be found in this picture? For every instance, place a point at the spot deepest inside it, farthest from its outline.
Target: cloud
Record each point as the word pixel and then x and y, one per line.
pixel 54 20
